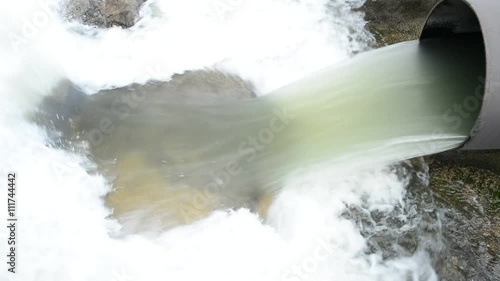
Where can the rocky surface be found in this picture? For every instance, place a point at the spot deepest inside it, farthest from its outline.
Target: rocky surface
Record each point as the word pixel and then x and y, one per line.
pixel 486 160
pixel 393 21
pixel 210 82
pixel 451 213
pixel 470 200
pixel 104 13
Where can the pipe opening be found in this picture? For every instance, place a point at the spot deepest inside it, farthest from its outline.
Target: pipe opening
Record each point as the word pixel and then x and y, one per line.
pixel 455 22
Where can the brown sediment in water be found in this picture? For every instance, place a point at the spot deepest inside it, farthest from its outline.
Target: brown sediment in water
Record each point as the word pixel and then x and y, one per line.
pixel 153 182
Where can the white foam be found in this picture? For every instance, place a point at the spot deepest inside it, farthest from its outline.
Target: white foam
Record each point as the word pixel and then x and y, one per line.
pixel 270 42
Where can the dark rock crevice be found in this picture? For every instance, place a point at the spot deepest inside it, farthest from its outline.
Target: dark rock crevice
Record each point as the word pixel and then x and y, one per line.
pixel 104 13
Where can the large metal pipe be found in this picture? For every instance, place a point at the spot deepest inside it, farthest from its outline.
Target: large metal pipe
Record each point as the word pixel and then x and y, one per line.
pixel 455 17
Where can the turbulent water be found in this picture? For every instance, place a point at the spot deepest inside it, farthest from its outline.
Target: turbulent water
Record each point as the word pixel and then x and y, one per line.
pixel 186 187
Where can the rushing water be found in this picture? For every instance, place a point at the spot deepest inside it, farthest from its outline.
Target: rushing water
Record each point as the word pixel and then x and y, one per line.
pixel 149 184
pixel 174 157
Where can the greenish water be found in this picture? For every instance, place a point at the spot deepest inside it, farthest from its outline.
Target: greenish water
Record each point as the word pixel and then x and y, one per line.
pixel 402 101
pixel 175 157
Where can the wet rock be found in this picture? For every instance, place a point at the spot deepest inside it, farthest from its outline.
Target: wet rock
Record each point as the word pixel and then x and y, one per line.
pixel 215 83
pixel 452 214
pixel 104 13
pixel 393 21
pixel 470 199
pixel 485 159
pixel 412 227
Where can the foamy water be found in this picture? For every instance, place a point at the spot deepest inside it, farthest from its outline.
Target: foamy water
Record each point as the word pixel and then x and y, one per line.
pixel 65 230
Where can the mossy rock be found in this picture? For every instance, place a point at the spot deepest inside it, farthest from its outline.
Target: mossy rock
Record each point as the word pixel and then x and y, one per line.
pixel 470 198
